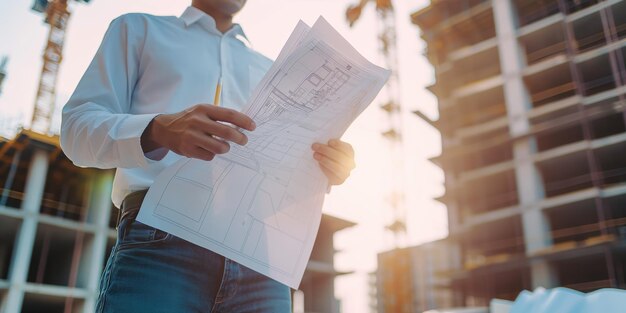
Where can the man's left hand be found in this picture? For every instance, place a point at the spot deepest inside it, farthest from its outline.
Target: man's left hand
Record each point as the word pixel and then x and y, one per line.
pixel 336 159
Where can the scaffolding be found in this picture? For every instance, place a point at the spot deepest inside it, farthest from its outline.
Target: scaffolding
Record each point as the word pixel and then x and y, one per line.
pixel 572 56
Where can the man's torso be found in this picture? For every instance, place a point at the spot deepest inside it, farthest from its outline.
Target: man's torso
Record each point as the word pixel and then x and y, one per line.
pixel 180 62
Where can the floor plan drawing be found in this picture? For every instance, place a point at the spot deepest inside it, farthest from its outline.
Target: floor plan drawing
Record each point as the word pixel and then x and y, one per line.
pixel 260 204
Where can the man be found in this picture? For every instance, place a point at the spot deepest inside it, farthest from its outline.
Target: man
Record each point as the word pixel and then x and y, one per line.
pixel 143 103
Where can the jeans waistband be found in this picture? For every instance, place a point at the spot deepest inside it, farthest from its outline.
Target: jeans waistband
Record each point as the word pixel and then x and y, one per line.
pixel 131 204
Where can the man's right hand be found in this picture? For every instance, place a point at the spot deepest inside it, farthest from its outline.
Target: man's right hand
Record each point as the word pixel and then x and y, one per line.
pixel 197 132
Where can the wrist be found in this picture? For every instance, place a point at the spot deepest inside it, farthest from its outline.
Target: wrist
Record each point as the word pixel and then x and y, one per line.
pixel 149 137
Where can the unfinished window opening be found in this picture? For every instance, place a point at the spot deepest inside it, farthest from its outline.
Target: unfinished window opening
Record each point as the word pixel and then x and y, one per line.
pixel 469 32
pixel 490 193
pixel 443 10
pixel 507 284
pixel 530 11
pixel 573 223
pixel 323 250
pixel 37 303
pixel 51 261
pixel 551 85
pixel 439 51
pixel 612 163
pixel 452 8
pixel 491 155
pixel 482 287
pixel 479 107
pixel 486 139
pixel 608 125
pixel 557 180
pixel 485 149
pixel 596 75
pixel 588 32
pixel 615 212
pixel 65 193
pixel 435 51
pixel 557 137
pixel 473 291
pixel 493 243
pixel 13 178
pixel 557 119
pixel 619 18
pixel 8 233
pixel 572 6
pixel 606 117
pixel 482 65
pixel 586 273
pixel 544 43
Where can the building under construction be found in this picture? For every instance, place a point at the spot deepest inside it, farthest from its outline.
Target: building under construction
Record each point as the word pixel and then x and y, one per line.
pixel 409 280
pixel 57 229
pixel 532 97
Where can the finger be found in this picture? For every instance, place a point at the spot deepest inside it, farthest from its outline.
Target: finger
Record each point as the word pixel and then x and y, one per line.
pixel 202 154
pixel 231 116
pixel 342 146
pixel 211 144
pixel 226 132
pixel 333 179
pixel 334 154
pixel 337 168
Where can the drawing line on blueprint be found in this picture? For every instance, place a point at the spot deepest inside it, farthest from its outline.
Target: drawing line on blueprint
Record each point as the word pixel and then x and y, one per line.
pixel 194 182
pixel 206 210
pixel 277 79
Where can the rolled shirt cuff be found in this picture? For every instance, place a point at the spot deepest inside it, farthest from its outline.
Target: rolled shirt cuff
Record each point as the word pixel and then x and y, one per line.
pixel 131 129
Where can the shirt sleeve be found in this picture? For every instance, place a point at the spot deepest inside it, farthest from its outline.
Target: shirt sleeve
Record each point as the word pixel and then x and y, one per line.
pixel 97 129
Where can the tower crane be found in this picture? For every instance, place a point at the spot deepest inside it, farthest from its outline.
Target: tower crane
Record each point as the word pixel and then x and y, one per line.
pixel 56 14
pixel 390 105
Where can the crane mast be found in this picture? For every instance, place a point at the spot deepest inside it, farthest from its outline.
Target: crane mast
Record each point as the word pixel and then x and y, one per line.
pixel 57 16
pixel 391 106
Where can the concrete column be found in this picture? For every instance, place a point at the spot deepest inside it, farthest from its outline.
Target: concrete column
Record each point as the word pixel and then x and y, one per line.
pixel 535 225
pixel 543 274
pixel 100 210
pixel 512 63
pixel 33 193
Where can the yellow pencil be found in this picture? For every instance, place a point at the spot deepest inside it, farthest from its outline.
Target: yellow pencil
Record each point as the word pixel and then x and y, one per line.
pixel 218 93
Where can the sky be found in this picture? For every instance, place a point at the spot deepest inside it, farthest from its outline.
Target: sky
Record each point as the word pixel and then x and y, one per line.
pixel 268 23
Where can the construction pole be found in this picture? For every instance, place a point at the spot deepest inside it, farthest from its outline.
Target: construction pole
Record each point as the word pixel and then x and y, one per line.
pixel 391 105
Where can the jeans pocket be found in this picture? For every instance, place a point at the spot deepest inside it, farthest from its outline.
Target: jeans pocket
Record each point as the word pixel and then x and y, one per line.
pixel 134 233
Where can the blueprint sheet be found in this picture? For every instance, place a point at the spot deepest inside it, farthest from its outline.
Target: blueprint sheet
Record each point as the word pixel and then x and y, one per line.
pixel 260 204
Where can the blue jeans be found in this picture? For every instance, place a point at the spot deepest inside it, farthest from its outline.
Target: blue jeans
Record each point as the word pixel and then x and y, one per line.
pixel 153 271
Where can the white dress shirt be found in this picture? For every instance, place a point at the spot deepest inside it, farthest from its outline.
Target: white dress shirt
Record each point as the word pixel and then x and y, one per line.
pixel 148 65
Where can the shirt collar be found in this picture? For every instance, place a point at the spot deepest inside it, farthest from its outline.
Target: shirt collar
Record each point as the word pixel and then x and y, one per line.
pixel 194 15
